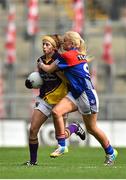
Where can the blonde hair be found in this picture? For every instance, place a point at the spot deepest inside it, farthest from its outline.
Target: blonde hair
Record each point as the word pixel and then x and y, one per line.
pixel 77 41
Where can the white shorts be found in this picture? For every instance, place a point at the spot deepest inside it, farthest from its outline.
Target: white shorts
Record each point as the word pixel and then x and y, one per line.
pixel 46 108
pixel 88 102
pixel 43 106
pixel 69 96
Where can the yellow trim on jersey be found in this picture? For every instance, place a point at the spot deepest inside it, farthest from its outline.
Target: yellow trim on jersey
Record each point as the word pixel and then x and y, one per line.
pixel 57 94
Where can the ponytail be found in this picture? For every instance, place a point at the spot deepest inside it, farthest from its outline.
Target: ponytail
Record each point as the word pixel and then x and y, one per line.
pixel 82 47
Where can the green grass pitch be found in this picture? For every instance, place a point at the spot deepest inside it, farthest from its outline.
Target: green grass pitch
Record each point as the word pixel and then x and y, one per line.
pixel 79 163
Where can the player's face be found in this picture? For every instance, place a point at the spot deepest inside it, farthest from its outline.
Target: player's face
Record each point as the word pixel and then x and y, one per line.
pixel 47 47
pixel 67 44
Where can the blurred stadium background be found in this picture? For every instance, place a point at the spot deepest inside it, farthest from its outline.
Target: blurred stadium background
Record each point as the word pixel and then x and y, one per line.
pixel 103 26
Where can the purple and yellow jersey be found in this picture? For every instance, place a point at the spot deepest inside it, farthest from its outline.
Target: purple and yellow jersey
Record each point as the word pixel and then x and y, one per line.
pixel 53 88
pixel 76 70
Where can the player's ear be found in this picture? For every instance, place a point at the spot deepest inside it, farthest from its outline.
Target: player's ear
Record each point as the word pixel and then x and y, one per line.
pixel 72 44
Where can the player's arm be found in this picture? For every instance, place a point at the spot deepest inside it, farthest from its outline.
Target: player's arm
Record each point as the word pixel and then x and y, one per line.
pixel 52 67
pixel 48 68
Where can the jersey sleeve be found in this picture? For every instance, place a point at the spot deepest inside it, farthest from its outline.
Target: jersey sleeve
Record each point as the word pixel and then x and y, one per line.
pixel 60 61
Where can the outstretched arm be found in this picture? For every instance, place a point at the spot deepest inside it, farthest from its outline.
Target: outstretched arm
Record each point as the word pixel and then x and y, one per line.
pixel 47 68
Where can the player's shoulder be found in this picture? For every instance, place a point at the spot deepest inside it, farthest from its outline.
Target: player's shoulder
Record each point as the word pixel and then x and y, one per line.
pixel 69 53
pixel 56 55
pixel 41 58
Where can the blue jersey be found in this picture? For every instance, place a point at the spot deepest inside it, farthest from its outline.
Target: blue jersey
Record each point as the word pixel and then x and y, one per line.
pixel 76 71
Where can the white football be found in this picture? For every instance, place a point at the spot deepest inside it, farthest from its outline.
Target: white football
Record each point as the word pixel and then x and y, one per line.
pixel 35 80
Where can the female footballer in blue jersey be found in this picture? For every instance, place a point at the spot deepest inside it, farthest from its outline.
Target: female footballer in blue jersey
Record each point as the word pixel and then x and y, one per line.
pixel 52 91
pixel 74 64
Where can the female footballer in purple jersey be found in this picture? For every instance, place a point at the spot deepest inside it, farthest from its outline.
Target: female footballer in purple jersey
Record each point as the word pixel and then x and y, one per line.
pixel 52 91
pixel 74 64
